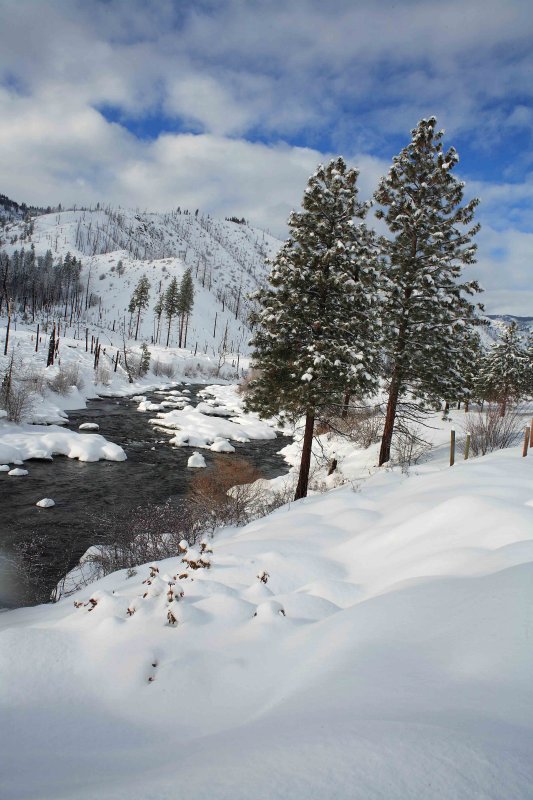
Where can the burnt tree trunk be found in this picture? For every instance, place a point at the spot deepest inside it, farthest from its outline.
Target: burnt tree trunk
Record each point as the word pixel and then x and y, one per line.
pixel 305 463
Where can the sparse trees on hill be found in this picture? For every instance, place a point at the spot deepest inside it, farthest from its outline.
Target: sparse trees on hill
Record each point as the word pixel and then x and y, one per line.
pixel 426 307
pixel 316 327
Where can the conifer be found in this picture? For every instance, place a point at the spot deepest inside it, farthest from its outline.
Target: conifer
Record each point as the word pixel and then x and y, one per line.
pixel 316 334
pixel 426 311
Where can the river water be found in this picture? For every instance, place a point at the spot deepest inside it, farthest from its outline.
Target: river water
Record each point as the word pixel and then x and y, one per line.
pixel 93 497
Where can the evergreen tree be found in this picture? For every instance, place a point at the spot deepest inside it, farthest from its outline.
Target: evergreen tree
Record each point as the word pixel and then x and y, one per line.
pixel 503 373
pixel 139 300
pixel 172 296
pixel 144 364
pixel 158 311
pixel 185 302
pixel 425 309
pixel 529 365
pixel 316 324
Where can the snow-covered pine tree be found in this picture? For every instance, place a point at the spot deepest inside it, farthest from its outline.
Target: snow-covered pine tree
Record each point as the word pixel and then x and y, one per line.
pixel 503 373
pixel 139 300
pixel 316 334
pixel 426 308
pixel 529 365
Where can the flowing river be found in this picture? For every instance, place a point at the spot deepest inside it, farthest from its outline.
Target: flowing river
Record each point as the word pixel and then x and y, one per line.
pixel 91 498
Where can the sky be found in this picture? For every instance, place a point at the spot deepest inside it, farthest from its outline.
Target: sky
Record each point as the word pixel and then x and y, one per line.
pixel 229 106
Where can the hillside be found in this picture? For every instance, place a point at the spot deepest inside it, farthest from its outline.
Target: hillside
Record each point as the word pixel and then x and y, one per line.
pixel 227 261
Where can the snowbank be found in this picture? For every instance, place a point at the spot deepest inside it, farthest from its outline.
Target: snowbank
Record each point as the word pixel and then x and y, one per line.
pixel 354 645
pixel 21 442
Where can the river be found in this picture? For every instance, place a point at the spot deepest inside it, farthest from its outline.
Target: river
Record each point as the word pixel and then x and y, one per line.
pixel 91 498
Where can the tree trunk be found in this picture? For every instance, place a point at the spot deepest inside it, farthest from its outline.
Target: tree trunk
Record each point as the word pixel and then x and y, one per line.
pixel 346 404
pixel 168 331
pixel 305 463
pixel 394 391
pixel 138 320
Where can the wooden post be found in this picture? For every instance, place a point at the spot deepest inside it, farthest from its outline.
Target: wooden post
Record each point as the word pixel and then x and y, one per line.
pixel 452 448
pixel 467 446
pixel 526 442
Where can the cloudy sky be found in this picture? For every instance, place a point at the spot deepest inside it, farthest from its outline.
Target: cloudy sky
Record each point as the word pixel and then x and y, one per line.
pixel 229 106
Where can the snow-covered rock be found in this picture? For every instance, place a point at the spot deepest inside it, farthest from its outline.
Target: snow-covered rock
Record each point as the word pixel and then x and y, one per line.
pixel 89 426
pixel 46 502
pixel 17 472
pixel 196 461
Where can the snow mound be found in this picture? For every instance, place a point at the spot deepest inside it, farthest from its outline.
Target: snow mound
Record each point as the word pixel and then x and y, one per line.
pixel 222 446
pixel 89 426
pixel 352 645
pixel 21 442
pixel 17 472
pixel 46 502
pixel 196 461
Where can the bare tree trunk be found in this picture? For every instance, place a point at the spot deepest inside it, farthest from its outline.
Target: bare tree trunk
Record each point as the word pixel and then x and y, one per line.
pixel 390 417
pixel 346 403
pixel 305 463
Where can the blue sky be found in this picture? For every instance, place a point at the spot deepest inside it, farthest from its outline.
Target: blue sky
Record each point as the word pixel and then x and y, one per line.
pixel 229 106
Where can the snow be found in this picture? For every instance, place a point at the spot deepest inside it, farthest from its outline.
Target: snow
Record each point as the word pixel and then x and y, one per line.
pixel 212 424
pixel 46 502
pixel 89 426
pixel 196 461
pixel 17 472
pixel 387 655
pixel 21 442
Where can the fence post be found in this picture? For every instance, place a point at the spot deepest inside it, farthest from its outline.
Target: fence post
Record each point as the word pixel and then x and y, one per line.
pixel 526 442
pixel 467 446
pixel 452 448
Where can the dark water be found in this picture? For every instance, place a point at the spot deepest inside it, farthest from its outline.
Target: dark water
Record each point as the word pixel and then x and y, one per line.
pixel 91 499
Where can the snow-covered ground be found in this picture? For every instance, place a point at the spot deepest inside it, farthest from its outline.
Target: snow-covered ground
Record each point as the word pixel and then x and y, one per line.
pixel 357 644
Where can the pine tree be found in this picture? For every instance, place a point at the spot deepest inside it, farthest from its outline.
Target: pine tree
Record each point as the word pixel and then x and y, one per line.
pixel 185 302
pixel 172 296
pixel 139 300
pixel 158 311
pixel 529 365
pixel 144 364
pixel 503 373
pixel 316 324
pixel 425 310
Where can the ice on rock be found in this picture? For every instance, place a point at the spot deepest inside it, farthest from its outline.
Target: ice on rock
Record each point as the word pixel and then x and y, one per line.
pixel 17 472
pixel 89 426
pixel 4 467
pixel 196 461
pixel 46 502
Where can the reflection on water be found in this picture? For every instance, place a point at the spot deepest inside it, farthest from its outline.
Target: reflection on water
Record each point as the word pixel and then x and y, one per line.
pixel 91 497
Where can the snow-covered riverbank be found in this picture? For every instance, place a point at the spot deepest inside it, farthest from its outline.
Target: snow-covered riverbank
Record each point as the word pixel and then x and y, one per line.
pixel 352 645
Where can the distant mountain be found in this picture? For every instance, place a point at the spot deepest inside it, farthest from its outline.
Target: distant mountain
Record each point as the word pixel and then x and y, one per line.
pixel 499 321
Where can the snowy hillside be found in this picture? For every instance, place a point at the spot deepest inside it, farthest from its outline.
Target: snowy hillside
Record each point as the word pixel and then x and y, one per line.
pixel 356 645
pixel 227 261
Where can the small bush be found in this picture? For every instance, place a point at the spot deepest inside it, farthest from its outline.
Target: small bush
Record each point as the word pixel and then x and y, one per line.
pixel 163 368
pixel 102 375
pixel 408 447
pixel 490 431
pixel 67 376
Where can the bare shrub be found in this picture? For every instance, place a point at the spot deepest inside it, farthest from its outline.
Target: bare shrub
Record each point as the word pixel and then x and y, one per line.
pixel 67 376
pixel 244 386
pixel 490 431
pixel 408 447
pixel 163 368
pixel 362 425
pixel 102 375
pixel 18 402
pixel 34 379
